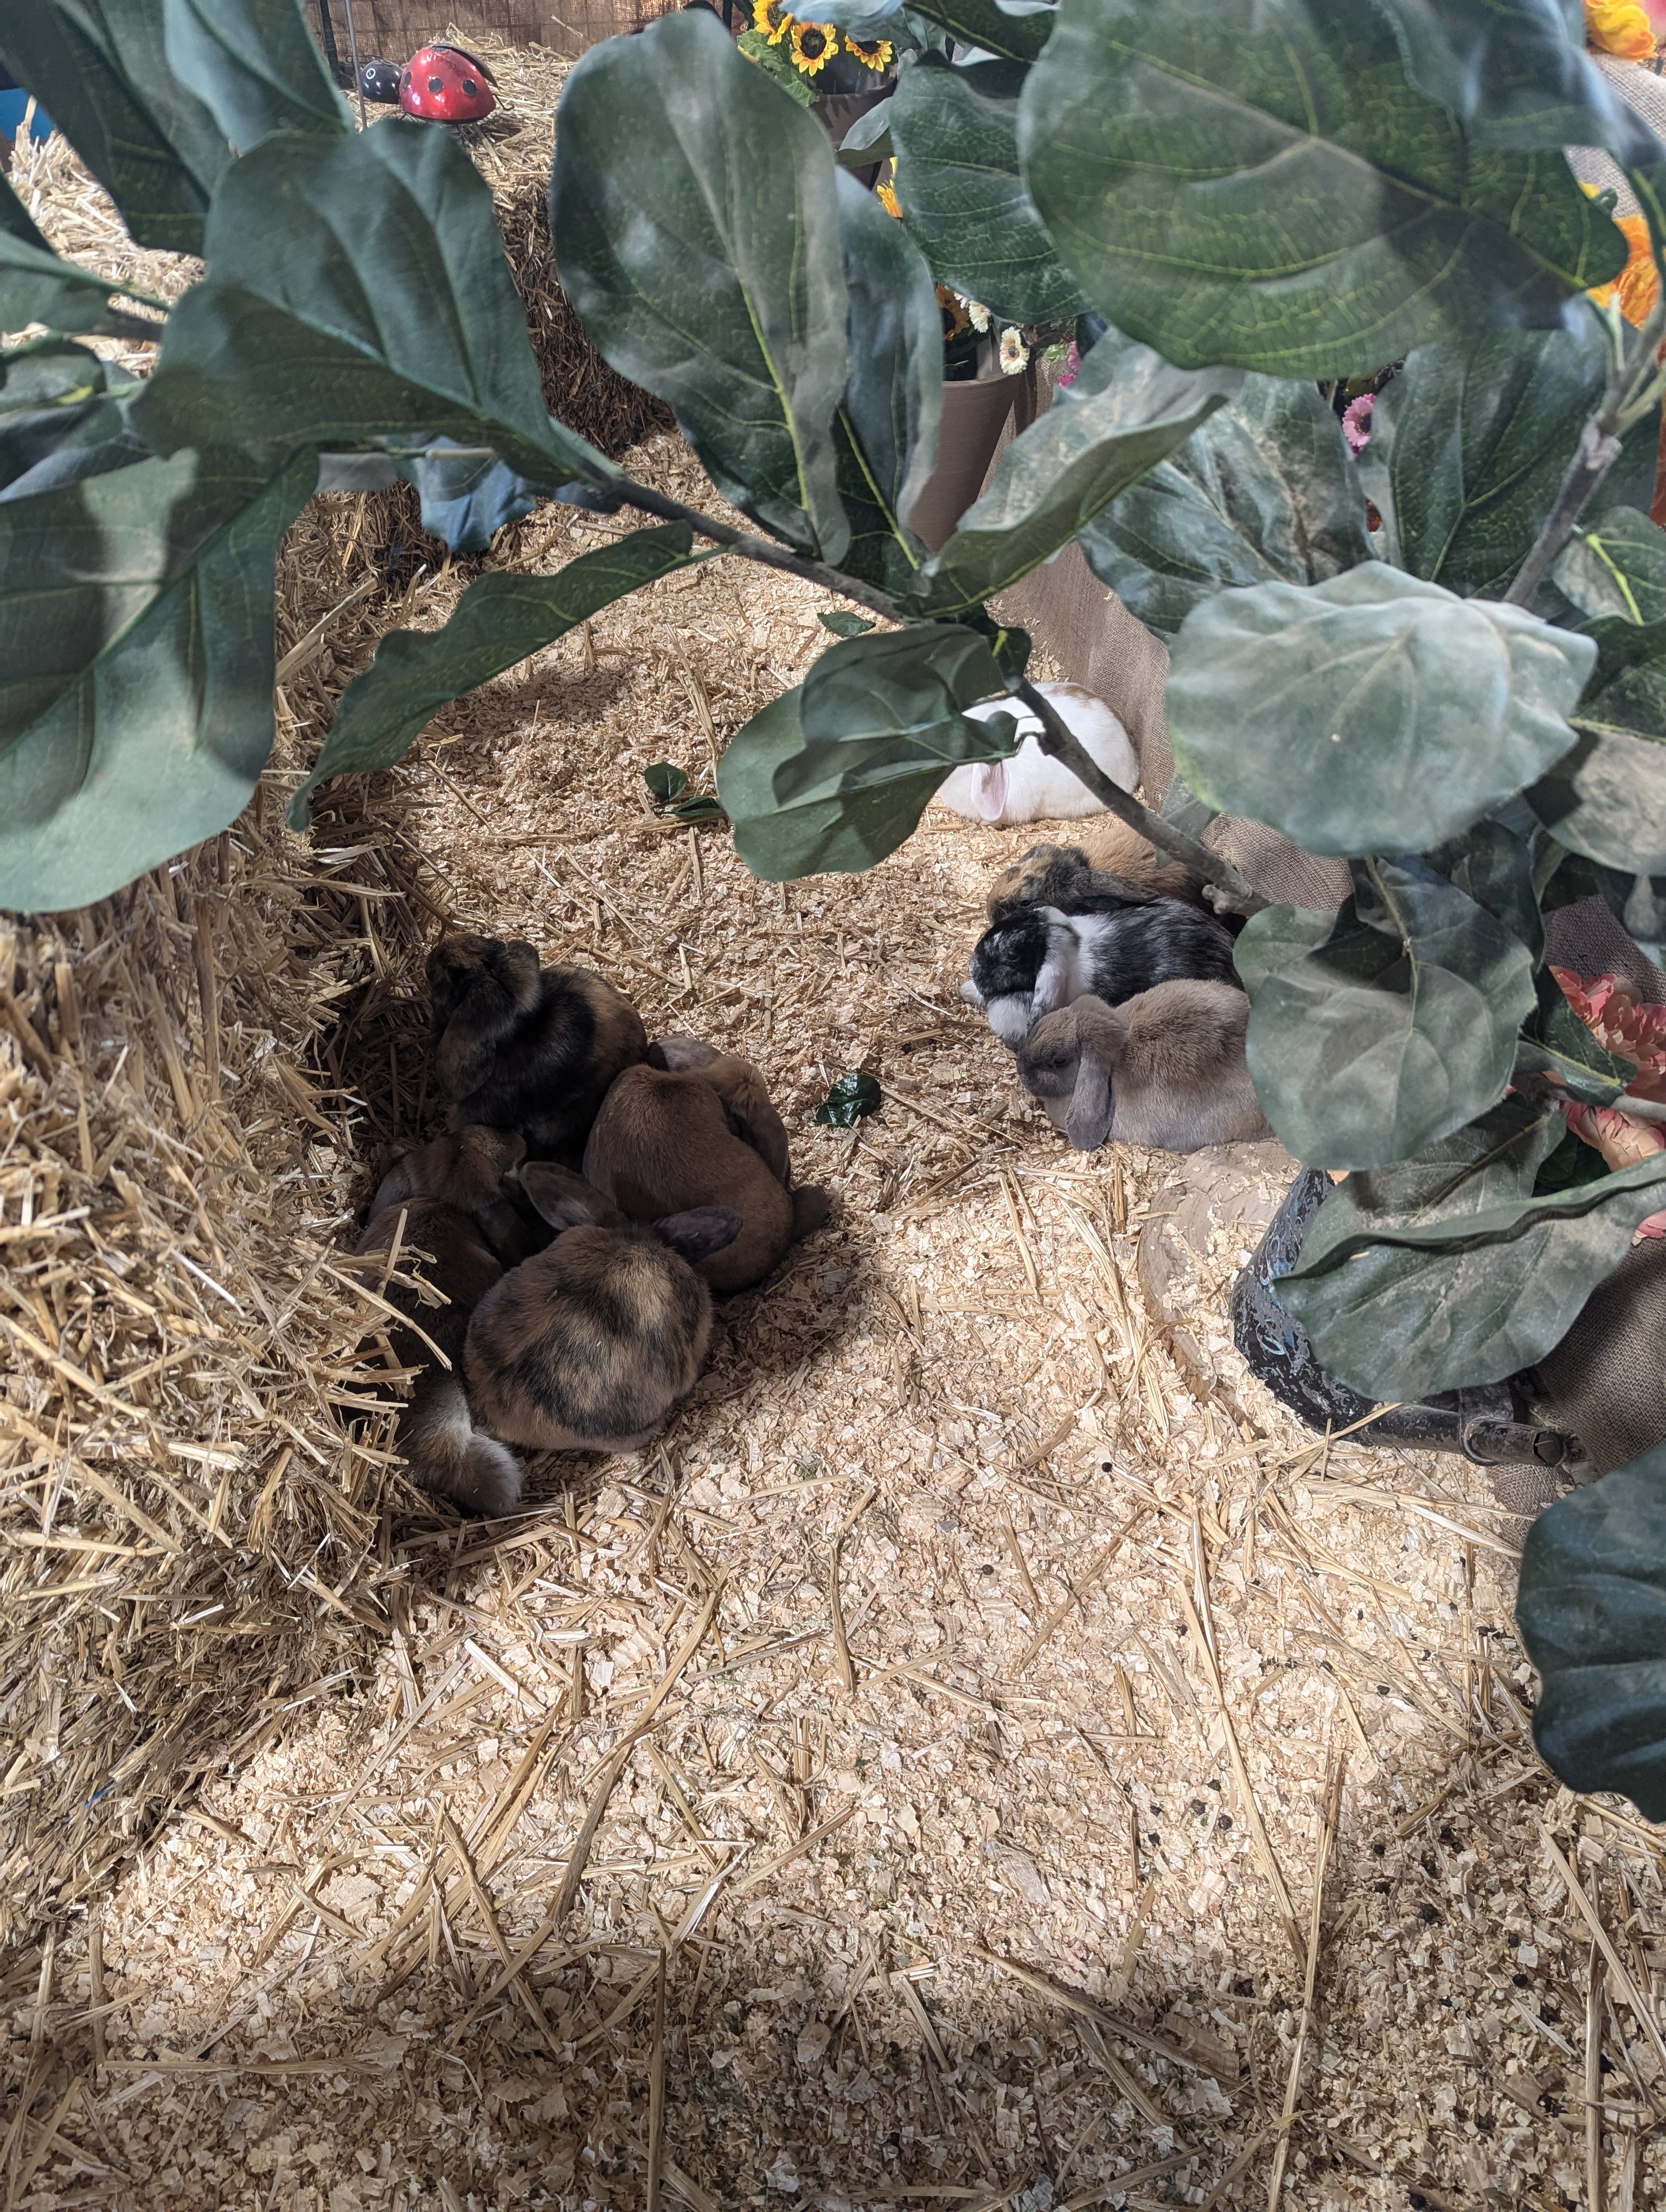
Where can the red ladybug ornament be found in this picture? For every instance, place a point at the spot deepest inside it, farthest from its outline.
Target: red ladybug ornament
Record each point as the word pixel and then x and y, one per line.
pixel 447 84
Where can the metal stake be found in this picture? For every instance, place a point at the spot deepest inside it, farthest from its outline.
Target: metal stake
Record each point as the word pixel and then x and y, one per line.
pixel 353 48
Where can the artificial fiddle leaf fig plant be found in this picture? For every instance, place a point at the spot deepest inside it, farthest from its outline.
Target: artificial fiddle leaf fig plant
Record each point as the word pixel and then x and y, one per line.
pixel 1446 666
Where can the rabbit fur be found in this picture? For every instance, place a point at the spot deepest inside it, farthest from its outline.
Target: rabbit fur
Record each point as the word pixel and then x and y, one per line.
pixel 525 1048
pixel 1063 876
pixel 1165 1069
pixel 590 1346
pixel 449 1196
pixel 1032 786
pixel 1042 959
pixel 694 1128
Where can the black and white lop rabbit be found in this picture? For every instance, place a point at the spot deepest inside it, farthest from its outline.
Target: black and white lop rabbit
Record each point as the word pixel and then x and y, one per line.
pixel 1040 959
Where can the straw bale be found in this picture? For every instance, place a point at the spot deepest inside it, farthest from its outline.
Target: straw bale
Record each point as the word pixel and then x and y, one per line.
pixel 955 1705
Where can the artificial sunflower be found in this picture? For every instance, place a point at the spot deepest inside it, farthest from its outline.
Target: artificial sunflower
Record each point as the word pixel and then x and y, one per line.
pixel 953 308
pixel 814 45
pixel 772 19
pixel 1620 26
pixel 872 53
pixel 1014 354
pixel 1638 285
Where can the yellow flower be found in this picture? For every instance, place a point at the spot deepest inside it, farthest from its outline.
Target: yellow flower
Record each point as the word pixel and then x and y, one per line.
pixel 953 311
pixel 770 16
pixel 886 194
pixel 1620 26
pixel 814 45
pixel 1638 285
pixel 872 53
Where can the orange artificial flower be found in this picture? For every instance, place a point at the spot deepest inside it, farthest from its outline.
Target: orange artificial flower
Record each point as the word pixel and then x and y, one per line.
pixel 1620 26
pixel 885 192
pixel 1638 285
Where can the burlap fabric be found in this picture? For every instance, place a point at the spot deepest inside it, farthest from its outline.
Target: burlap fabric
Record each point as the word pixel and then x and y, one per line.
pixel 1640 88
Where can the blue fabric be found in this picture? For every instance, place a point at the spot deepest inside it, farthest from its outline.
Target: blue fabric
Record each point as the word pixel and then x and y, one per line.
pixel 13 105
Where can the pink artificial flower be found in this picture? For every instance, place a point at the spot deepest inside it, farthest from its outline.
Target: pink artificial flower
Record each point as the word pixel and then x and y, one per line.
pixel 1654 1226
pixel 1356 422
pixel 1074 358
pixel 1610 1009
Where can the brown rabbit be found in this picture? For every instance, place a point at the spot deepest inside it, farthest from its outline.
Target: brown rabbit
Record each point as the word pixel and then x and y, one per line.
pixel 1165 1069
pixel 450 1194
pixel 1108 862
pixel 525 1048
pixel 590 1345
pixel 695 1127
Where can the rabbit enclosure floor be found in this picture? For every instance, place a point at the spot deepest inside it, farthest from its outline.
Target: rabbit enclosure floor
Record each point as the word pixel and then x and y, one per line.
pixel 1012 1763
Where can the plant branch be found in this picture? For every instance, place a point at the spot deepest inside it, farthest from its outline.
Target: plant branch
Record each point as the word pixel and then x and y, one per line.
pixel 1057 740
pixel 759 549
pixel 1598 448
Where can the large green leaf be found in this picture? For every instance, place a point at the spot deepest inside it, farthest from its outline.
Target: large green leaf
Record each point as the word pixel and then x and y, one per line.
pixel 1432 1278
pixel 955 135
pixel 697 234
pixel 1592 1609
pixel 1469 445
pixel 102 69
pixel 500 619
pixel 1267 488
pixel 1378 1030
pixel 1516 73
pixel 1372 714
pixel 1255 181
pixel 1614 568
pixel 1554 1042
pixel 254 67
pixel 1128 410
pixel 60 417
pixel 887 423
pixel 1011 35
pixel 1492 865
pixel 136 667
pixel 358 290
pixel 38 286
pixel 1606 798
pixel 836 775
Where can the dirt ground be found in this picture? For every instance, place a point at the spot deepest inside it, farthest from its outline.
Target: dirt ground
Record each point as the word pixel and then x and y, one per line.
pixel 990 1756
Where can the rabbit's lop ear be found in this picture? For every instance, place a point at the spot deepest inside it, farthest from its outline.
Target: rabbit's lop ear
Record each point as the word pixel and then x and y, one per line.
pixel 681 1055
pixel 564 1199
pixel 989 790
pixel 761 1128
pixel 701 1231
pixel 1088 1116
pixel 1054 977
pixel 397 1188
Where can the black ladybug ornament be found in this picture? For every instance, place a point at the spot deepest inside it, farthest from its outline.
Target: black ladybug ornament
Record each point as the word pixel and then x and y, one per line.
pixel 380 82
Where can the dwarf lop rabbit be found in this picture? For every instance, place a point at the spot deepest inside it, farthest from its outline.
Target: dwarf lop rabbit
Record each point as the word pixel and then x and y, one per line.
pixel 591 1345
pixel 1165 1069
pixel 1042 959
pixel 525 1048
pixel 1032 786
pixel 450 1198
pixel 694 1128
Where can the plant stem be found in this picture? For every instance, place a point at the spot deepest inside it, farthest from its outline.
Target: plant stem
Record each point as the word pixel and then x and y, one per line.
pixel 761 550
pixel 1057 741
pixel 1598 451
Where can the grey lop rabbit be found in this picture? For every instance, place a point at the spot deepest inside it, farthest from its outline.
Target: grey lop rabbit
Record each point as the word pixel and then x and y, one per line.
pixel 1165 1069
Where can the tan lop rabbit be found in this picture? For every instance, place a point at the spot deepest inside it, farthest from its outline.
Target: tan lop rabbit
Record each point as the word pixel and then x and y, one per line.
pixel 1165 1069
pixel 694 1128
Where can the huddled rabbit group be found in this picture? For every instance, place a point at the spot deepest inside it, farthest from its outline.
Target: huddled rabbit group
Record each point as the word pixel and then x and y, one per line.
pixel 591 1194
pixel 1104 970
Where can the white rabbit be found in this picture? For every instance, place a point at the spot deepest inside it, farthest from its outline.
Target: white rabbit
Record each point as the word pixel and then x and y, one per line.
pixel 1031 787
